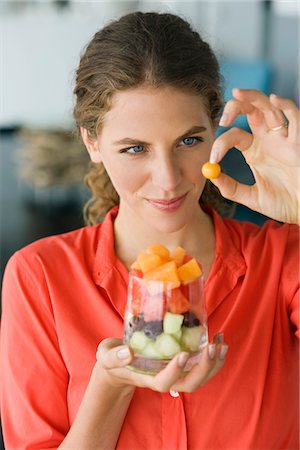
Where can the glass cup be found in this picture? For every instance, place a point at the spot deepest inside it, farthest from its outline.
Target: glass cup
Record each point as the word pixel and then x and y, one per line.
pixel 161 321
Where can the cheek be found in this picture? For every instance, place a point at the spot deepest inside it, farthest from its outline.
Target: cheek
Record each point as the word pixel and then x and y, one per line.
pixel 124 178
pixel 193 170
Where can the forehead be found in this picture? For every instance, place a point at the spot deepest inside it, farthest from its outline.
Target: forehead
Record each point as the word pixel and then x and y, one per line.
pixel 152 106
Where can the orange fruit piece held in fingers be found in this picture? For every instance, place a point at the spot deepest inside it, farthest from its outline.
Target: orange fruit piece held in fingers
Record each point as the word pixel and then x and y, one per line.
pixel 211 170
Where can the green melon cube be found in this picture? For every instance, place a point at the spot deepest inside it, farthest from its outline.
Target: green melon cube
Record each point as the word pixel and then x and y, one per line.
pixel 191 338
pixel 138 341
pixel 172 323
pixel 150 351
pixel 167 346
pixel 177 335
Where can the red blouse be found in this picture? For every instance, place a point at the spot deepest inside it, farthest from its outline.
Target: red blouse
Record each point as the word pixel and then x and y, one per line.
pixel 63 294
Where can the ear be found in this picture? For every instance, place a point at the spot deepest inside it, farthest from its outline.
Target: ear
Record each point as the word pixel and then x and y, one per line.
pixel 91 146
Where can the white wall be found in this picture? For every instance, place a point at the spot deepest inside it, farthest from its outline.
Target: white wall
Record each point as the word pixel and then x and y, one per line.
pixel 227 25
pixel 40 47
pixel 40 52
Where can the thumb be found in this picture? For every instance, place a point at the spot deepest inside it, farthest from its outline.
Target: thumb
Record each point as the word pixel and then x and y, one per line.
pixel 110 354
pixel 235 191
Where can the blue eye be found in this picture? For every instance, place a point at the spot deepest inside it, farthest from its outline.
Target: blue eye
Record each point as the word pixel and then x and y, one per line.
pixel 135 149
pixel 189 141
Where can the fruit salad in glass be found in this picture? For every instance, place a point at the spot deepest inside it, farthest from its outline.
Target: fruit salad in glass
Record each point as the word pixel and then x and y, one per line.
pixel 165 312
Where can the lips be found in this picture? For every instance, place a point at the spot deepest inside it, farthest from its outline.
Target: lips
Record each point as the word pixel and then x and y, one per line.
pixel 167 205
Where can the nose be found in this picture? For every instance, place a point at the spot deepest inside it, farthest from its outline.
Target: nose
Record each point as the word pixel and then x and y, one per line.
pixel 166 173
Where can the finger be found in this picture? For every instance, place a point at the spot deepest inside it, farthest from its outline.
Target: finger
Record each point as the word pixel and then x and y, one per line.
pixel 211 361
pixel 273 116
pixel 218 338
pixel 163 381
pixel 234 137
pixel 220 358
pixel 292 113
pixel 112 354
pixel 255 117
pixel 232 109
pixel 108 344
pixel 237 192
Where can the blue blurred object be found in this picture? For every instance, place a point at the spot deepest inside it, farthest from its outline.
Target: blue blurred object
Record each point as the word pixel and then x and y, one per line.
pixel 246 74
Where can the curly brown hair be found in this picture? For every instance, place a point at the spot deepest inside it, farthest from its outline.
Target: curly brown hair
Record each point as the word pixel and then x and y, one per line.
pixel 158 49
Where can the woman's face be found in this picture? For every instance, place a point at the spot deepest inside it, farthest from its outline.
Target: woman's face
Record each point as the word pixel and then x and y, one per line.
pixel 153 143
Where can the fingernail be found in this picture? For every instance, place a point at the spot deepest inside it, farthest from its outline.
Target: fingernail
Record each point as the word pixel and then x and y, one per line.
pixel 211 350
pixel 223 351
pixel 224 120
pixel 123 353
pixel 218 338
pixel 182 359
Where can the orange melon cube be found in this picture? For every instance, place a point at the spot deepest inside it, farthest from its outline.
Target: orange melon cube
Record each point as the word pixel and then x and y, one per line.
pixel 178 255
pixel 189 271
pixel 135 265
pixel 167 273
pixel 159 250
pixel 148 261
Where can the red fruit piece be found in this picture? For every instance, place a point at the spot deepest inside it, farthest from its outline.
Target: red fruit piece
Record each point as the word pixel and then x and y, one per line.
pixel 136 307
pixel 186 259
pixel 136 273
pixel 137 296
pixel 177 302
pixel 154 307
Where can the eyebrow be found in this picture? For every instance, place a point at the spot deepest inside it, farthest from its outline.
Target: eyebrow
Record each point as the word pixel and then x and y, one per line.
pixel 190 131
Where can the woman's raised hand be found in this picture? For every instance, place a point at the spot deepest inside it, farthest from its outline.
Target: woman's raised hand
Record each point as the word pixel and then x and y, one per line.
pixel 113 357
pixel 272 151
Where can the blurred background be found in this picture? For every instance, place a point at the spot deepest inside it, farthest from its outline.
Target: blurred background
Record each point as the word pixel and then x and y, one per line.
pixel 42 163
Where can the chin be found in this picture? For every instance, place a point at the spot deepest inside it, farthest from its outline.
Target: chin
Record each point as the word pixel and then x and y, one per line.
pixel 168 225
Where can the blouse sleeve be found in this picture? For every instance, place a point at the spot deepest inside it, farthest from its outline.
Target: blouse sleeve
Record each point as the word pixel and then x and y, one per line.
pixel 294 311
pixel 291 277
pixel 34 378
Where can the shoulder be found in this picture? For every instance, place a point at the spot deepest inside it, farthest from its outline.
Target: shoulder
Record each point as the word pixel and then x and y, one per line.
pixel 68 253
pixel 60 250
pixel 272 249
pixel 272 234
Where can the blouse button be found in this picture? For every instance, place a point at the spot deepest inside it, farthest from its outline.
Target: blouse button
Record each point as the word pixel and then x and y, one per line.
pixel 174 394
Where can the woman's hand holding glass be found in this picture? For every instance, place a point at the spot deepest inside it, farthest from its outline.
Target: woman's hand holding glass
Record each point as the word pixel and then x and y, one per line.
pixel 272 151
pixel 113 357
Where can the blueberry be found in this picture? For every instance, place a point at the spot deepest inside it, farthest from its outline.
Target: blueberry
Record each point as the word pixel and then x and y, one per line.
pixel 190 320
pixel 153 328
pixel 136 323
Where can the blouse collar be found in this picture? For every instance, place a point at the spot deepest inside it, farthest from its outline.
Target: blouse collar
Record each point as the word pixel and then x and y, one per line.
pixel 110 273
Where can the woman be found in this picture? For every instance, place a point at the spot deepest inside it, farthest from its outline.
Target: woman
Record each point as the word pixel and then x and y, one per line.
pixel 148 101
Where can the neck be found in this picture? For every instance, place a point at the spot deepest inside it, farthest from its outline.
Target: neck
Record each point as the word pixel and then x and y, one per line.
pixel 133 236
